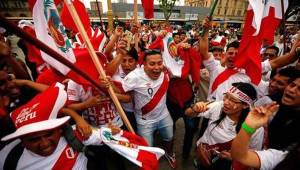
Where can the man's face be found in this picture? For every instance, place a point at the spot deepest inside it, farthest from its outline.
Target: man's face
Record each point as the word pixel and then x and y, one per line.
pixel 153 66
pixel 182 37
pixel 277 84
pixel 134 29
pixel 291 95
pixel 42 143
pixel 176 39
pixel 7 87
pixel 229 57
pixel 269 54
pixel 217 54
pixel 128 64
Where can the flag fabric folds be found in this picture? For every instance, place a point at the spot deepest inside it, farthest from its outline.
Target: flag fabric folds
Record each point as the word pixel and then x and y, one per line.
pixel 179 61
pixel 133 148
pixel 148 6
pixel 49 29
pixel 262 19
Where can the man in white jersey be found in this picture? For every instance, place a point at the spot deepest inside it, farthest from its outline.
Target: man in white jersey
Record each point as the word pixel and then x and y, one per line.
pixel 149 85
pixel 39 132
pixel 214 67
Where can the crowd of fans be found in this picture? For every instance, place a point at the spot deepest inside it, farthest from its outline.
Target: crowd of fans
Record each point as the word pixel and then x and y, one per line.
pixel 242 125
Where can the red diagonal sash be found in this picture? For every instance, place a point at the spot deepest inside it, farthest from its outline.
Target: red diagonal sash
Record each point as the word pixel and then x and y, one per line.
pixel 67 159
pixel 157 96
pixel 221 78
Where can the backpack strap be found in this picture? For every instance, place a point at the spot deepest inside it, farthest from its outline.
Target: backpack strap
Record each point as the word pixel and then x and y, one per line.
pixel 13 157
pixel 74 142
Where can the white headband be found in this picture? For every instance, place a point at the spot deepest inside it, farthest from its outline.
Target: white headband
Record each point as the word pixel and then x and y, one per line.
pixel 240 95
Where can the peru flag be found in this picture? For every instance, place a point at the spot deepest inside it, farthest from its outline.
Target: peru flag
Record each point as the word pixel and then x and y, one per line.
pixel 133 148
pixel 148 6
pixel 262 19
pixel 50 30
pixel 179 61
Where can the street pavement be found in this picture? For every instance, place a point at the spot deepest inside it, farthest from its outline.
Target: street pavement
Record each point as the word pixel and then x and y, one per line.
pixel 182 164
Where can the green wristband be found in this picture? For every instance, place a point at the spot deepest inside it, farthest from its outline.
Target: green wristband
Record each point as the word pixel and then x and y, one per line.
pixel 248 129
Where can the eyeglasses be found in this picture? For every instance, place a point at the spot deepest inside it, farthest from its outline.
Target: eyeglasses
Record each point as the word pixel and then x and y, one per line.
pixel 231 99
pixel 269 54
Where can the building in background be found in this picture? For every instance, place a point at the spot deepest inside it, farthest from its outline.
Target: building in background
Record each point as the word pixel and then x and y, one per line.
pixel 227 12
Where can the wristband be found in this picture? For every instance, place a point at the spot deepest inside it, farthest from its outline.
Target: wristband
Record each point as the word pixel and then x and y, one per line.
pixel 248 129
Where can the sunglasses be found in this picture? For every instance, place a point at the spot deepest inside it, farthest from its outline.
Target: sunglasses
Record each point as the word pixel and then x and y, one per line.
pixel 269 54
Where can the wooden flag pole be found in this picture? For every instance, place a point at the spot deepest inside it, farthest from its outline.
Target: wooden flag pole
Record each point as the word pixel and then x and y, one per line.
pixel 110 15
pixel 96 61
pixel 42 46
pixel 135 11
pixel 211 12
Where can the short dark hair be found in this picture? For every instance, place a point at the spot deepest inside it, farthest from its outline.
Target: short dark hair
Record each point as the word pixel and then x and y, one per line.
pixel 133 53
pixel 273 47
pixel 246 88
pixel 174 34
pixel 234 44
pixel 291 72
pixel 151 52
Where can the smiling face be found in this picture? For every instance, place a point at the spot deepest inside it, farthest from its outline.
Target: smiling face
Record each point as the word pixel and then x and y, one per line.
pixel 291 95
pixel 153 66
pixel 42 143
pixel 277 84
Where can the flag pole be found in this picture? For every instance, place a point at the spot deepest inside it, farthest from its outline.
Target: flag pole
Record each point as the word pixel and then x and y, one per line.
pixel 211 12
pixel 283 26
pixel 100 16
pixel 135 11
pixel 39 44
pixel 98 66
pixel 109 15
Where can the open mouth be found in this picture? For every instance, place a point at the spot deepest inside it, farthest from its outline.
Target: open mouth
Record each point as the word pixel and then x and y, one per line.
pixel 288 98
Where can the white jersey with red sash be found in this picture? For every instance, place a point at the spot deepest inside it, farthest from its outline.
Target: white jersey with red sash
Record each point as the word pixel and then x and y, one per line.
pixel 149 95
pixel 98 115
pixel 64 157
pixel 225 131
pixel 117 78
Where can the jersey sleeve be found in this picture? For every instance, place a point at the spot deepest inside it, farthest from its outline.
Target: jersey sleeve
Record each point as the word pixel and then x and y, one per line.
pixel 74 91
pixel 266 66
pixel 129 82
pixel 257 139
pixel 270 158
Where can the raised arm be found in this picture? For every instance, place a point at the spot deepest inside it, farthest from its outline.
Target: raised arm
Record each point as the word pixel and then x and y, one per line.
pixel 203 44
pixel 36 86
pixel 288 58
pixel 256 118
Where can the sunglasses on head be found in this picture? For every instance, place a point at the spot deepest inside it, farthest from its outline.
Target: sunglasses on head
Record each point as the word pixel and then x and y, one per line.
pixel 152 51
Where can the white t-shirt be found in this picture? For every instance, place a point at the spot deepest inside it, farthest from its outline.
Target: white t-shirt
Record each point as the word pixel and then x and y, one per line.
pixel 225 131
pixel 63 155
pixel 214 67
pixel 270 158
pixel 118 77
pixel 98 115
pixel 144 89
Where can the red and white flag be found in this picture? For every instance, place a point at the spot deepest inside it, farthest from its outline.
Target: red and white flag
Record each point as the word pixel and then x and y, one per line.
pixel 50 30
pixel 179 61
pixel 148 6
pixel 133 148
pixel 96 37
pixel 262 19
